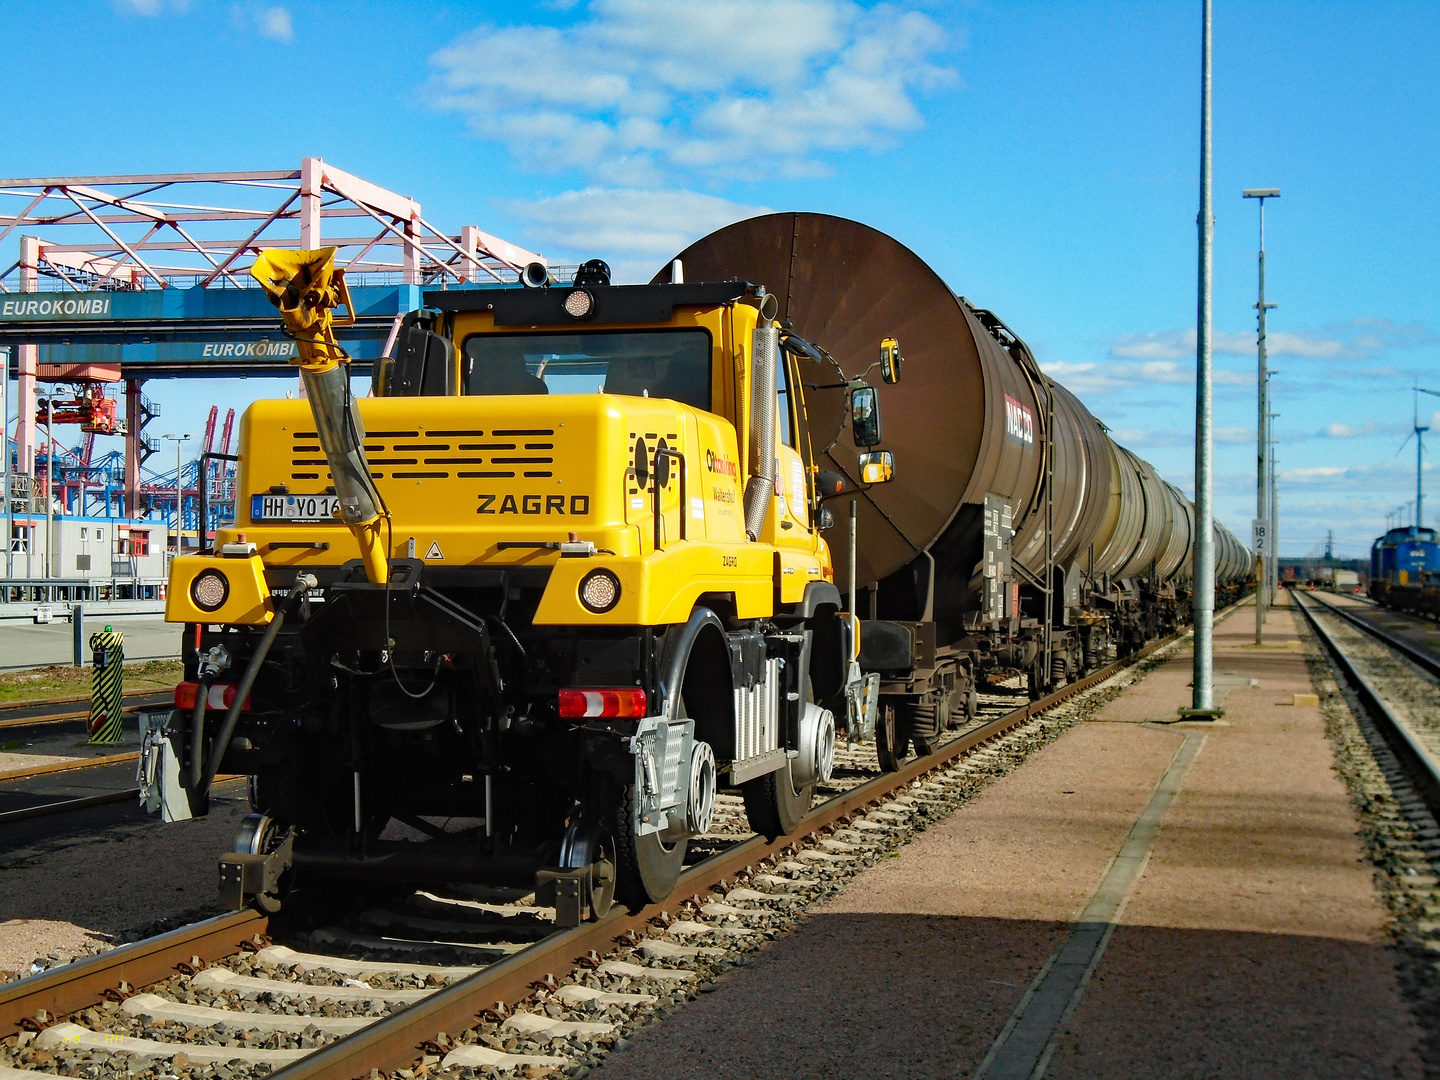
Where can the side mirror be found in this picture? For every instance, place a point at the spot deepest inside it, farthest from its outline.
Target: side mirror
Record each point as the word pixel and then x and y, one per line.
pixel 825 519
pixel 865 416
pixel 890 360
pixel 877 467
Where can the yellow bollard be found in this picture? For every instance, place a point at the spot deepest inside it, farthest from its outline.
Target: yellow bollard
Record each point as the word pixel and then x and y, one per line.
pixel 106 687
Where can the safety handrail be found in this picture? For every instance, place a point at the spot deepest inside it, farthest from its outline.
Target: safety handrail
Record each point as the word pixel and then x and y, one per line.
pixel 204 525
pixel 666 452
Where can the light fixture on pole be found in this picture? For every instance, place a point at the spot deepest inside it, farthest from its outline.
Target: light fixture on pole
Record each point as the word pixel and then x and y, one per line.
pixel 1203 585
pixel 179 491
pixel 1262 532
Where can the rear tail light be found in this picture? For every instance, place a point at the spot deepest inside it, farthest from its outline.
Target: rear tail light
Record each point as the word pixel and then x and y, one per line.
pixel 219 697
pixel 623 704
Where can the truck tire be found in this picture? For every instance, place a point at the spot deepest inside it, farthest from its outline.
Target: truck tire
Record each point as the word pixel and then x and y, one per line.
pixel 774 805
pixel 646 868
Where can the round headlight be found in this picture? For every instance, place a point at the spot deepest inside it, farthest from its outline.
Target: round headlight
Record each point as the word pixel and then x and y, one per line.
pixel 599 591
pixel 579 304
pixel 210 590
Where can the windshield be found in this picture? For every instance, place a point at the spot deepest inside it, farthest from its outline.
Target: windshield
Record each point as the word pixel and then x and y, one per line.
pixel 654 363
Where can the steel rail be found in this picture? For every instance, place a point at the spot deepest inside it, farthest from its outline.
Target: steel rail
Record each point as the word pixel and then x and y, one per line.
pixel 83 983
pixel 1428 661
pixel 395 1041
pixel 64 806
pixel 41 711
pixel 1414 758
pixel 68 766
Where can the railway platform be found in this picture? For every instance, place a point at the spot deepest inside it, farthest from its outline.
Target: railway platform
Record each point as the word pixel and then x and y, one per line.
pixel 1142 898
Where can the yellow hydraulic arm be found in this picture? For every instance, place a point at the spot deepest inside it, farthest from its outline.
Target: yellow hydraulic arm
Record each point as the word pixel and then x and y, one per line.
pixel 307 288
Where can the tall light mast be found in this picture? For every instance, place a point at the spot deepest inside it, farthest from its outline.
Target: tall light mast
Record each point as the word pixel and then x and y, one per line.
pixel 1264 528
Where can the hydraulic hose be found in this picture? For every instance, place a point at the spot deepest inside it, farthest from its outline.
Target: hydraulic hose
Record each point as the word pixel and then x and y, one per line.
pixel 303 583
pixel 197 731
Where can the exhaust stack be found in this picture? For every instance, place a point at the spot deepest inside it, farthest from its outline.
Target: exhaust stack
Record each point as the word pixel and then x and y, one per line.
pixel 760 489
pixel 306 287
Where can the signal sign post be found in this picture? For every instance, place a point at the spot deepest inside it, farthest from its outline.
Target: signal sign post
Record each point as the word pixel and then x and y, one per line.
pixel 1260 544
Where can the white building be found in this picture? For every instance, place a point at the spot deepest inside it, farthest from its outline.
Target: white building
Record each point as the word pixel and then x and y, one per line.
pixel 88 559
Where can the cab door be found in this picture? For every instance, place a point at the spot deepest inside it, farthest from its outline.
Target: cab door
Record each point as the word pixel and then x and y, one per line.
pixel 795 536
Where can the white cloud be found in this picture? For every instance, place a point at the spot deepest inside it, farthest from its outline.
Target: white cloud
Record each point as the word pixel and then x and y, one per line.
pixel 633 230
pixel 153 7
pixel 1091 378
pixel 1352 431
pixel 275 23
pixel 1315 472
pixel 645 90
pixel 1355 340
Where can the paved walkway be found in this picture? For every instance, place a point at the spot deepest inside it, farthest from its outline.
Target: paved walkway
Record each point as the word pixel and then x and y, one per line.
pixel 28 645
pixel 1238 933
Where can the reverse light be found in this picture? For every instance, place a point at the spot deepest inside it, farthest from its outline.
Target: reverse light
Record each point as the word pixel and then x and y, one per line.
pixel 579 304
pixel 599 591
pixel 210 590
pixel 219 697
pixel 627 703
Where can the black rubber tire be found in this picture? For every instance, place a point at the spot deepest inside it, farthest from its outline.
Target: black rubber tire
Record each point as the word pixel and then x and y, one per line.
pixel 773 805
pixel 892 738
pixel 646 869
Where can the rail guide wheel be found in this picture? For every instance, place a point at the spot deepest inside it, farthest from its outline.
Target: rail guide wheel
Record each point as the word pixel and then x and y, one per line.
pixel 260 866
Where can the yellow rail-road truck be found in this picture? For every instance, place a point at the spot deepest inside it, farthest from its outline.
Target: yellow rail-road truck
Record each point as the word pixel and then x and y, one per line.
pixel 518 615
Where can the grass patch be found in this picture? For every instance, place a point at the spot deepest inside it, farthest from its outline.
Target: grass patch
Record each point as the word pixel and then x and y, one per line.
pixel 62 680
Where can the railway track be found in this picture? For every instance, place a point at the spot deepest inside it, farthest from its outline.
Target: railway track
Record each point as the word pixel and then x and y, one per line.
pixel 26 714
pixel 1427 660
pixel 41 719
pixel 1398 684
pixel 376 987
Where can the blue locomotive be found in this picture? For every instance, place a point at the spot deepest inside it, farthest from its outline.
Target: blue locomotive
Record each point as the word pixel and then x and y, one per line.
pixel 1405 570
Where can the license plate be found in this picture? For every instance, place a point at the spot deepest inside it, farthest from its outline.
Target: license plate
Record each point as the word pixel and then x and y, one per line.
pixel 294 507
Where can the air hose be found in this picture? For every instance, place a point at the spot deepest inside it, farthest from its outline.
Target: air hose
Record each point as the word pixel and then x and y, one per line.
pixel 303 583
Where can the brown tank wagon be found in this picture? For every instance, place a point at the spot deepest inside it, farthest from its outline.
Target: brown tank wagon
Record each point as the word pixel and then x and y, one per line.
pixel 1016 535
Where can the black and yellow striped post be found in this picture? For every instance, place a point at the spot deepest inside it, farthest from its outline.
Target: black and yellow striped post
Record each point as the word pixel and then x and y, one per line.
pixel 106 686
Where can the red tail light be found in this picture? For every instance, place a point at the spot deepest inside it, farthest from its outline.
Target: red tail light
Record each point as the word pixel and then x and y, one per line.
pixel 624 704
pixel 218 698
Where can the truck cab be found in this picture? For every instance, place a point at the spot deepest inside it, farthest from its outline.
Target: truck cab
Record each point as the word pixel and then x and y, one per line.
pixel 602 594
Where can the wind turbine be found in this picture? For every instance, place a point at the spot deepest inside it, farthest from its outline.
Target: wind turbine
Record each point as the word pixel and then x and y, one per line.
pixel 1418 433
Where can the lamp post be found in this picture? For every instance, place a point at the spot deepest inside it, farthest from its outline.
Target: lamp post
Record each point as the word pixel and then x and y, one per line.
pixel 1203 595
pixel 179 491
pixel 1272 570
pixel 1264 528
pixel 5 462
pixel 49 563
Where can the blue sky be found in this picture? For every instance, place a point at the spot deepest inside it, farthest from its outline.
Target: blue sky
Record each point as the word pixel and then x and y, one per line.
pixel 1043 157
